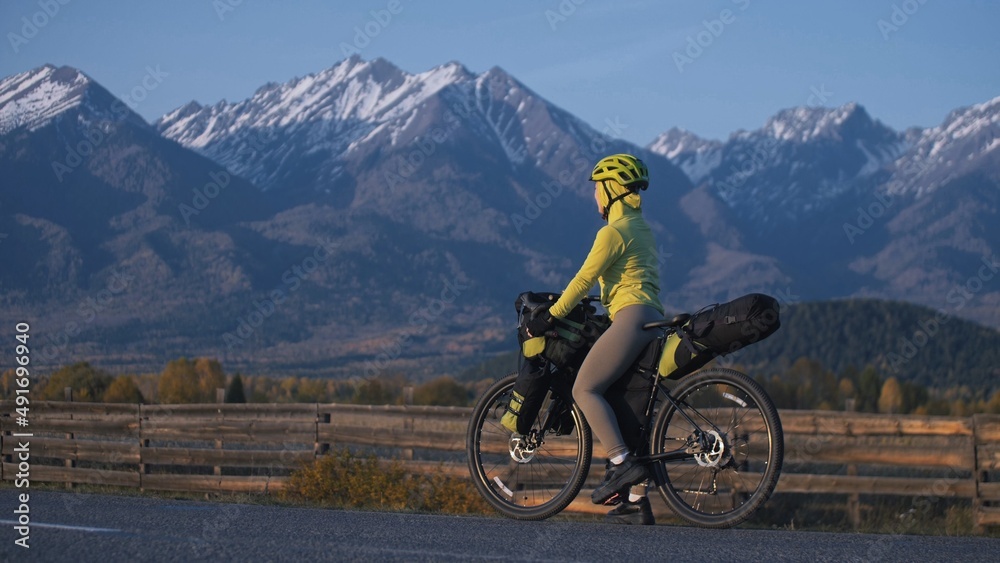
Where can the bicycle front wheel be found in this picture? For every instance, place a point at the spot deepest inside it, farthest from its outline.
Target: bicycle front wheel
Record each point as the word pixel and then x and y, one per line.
pixel 730 428
pixel 525 477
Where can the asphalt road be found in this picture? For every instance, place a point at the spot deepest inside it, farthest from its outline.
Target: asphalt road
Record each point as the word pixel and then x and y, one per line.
pixel 86 527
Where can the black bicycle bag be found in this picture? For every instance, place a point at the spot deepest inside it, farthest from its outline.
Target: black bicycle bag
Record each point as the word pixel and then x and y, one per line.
pixel 717 331
pixel 565 348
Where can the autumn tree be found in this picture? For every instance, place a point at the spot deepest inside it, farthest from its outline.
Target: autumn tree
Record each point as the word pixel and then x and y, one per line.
pixel 184 381
pixel 443 391
pixel 372 392
pixel 123 390
pixel 88 383
pixel 890 400
pixel 179 383
pixel 210 378
pixel 869 389
pixel 847 392
pixel 7 384
pixel 310 390
pixel 993 405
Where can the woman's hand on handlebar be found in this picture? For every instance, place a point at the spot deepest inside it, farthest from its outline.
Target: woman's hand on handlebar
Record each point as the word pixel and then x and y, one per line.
pixel 540 323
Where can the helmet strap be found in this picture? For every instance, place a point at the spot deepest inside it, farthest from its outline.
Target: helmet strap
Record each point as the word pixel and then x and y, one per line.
pixel 612 200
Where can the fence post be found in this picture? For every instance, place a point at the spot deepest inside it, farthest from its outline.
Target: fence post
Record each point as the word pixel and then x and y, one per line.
pixel 854 501
pixel 143 444
pixel 3 458
pixel 978 477
pixel 320 448
pixel 409 423
pixel 69 463
pixel 220 397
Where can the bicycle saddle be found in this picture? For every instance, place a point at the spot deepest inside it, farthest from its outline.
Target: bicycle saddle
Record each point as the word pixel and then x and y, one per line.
pixel 675 322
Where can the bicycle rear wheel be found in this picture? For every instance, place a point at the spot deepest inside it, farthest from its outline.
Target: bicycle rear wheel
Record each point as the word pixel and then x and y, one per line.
pixel 522 477
pixel 731 428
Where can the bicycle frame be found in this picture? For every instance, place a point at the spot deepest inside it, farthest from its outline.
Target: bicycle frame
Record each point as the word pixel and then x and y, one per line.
pixel 563 398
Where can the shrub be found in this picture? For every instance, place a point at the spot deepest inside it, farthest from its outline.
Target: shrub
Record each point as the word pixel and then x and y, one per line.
pixel 452 496
pixel 345 480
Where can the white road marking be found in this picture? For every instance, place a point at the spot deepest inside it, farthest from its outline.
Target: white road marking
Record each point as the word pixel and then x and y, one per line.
pixel 62 527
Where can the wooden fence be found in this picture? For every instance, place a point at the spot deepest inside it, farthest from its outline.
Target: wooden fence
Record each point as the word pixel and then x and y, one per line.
pixel 254 447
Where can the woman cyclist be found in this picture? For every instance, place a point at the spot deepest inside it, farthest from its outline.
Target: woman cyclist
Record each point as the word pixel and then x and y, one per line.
pixel 623 261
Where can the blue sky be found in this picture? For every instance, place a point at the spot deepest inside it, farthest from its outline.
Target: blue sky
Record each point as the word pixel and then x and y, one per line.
pixel 710 66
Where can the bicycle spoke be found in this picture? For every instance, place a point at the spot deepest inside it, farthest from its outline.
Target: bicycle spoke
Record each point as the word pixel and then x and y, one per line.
pixel 528 477
pixel 737 448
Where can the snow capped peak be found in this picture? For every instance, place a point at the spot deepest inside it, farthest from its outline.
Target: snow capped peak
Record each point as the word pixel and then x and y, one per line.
pixel 330 112
pixel 972 121
pixel 184 111
pixel 456 69
pixel 498 80
pixel 35 98
pixel 696 156
pixel 943 153
pixel 32 99
pixel 803 124
pixel 677 141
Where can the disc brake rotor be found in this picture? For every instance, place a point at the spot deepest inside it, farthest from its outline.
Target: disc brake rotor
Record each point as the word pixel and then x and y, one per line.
pixel 521 450
pixel 713 457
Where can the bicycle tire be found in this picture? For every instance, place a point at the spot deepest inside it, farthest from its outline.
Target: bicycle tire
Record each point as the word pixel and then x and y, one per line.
pixel 535 489
pixel 751 456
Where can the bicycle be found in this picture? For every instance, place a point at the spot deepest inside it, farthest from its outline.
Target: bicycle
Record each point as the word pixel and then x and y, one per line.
pixel 715 449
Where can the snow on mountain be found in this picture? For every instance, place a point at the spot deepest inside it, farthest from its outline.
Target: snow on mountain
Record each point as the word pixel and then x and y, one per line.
pixel 697 157
pixel 36 98
pixel 32 99
pixel 943 153
pixel 324 114
pixel 316 132
pixel 803 124
pixel 793 166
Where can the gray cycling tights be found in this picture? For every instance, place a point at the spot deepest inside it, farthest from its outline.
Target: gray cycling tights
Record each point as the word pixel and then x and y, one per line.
pixel 607 361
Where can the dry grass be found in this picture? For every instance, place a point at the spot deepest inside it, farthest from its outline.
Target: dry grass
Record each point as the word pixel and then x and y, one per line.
pixel 343 479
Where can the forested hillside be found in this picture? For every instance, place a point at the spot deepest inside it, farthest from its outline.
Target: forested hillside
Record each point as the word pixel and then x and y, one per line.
pixel 910 342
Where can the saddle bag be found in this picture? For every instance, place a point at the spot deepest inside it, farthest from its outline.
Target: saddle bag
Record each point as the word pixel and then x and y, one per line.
pixel 717 331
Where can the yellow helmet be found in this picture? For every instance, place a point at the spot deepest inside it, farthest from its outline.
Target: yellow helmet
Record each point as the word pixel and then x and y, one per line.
pixel 625 169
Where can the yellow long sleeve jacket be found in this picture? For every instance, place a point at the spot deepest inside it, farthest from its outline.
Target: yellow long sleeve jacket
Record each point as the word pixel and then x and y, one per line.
pixel 623 261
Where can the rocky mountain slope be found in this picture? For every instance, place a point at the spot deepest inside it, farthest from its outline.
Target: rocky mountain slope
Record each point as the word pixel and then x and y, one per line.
pixel 364 219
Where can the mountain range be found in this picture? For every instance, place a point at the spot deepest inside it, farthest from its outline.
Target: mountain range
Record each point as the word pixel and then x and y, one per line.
pixel 364 219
